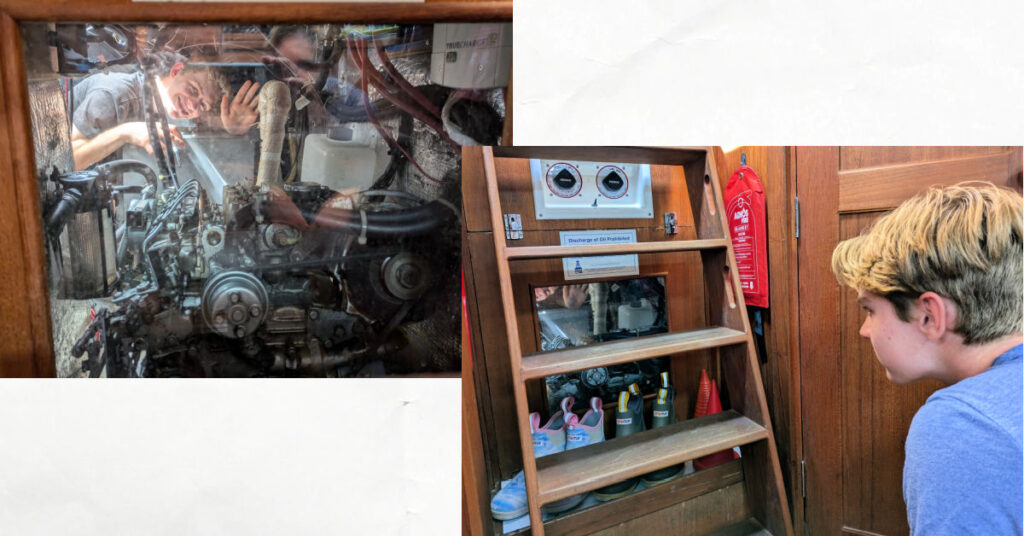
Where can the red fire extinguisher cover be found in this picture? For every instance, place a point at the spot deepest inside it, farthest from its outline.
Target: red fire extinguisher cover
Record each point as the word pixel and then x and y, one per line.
pixel 744 206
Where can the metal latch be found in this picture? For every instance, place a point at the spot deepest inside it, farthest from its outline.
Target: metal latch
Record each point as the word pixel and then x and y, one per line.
pixel 670 223
pixel 513 227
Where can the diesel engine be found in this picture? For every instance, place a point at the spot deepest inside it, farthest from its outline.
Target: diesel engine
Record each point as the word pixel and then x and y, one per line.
pixel 293 280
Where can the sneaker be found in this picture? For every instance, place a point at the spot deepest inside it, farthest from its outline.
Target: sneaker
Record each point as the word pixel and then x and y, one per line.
pixel 510 501
pixel 664 414
pixel 629 419
pixel 580 433
pixel 550 438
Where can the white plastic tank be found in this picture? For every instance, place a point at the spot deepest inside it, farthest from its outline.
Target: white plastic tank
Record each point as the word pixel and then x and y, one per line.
pixel 342 160
pixel 637 317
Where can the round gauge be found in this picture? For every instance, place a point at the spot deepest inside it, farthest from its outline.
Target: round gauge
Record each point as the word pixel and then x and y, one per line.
pixel 564 180
pixel 612 182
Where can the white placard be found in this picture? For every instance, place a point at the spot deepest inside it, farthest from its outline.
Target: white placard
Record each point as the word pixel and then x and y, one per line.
pixel 603 266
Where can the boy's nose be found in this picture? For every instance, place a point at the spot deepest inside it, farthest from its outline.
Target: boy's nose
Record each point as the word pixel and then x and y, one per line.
pixel 864 330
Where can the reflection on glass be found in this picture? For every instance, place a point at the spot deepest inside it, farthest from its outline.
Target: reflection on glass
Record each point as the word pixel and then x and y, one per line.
pixel 243 200
pixel 582 314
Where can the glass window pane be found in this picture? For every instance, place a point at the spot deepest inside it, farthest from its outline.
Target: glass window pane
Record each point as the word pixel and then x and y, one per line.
pixel 241 200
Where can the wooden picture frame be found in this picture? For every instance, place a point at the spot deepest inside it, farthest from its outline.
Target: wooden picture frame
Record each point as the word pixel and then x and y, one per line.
pixel 26 350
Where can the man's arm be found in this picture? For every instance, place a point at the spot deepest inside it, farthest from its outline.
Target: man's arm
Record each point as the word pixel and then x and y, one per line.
pixel 88 151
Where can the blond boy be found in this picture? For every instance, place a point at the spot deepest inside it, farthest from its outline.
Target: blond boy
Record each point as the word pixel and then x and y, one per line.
pixel 940 278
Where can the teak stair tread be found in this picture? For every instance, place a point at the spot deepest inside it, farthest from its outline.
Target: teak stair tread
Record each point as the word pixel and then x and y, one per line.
pixel 575 471
pixel 543 252
pixel 626 350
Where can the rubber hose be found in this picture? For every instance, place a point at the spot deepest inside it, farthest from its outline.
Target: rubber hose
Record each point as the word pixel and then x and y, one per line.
pixel 130 165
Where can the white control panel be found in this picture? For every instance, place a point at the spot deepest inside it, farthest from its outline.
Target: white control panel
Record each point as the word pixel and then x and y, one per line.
pixel 575 190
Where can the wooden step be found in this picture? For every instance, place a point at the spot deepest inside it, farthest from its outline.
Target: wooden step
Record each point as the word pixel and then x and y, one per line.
pixel 747 527
pixel 576 471
pixel 545 252
pixel 626 350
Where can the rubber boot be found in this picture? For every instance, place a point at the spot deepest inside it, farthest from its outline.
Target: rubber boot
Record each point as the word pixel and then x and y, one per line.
pixel 629 419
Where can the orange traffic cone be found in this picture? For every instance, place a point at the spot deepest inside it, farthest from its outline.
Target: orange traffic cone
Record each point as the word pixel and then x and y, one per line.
pixel 711 460
pixel 703 394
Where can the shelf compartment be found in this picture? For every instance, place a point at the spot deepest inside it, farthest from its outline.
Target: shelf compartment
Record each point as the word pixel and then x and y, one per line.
pixel 547 252
pixel 545 364
pixel 640 503
pixel 747 527
pixel 576 471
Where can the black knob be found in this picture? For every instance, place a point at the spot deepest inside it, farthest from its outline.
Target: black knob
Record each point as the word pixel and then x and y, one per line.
pixel 613 181
pixel 565 180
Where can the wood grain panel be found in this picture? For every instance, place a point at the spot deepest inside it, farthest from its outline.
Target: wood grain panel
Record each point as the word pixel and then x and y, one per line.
pixel 256 12
pixel 852 158
pixel 475 487
pixel 647 501
pixel 817 180
pixel 883 188
pixel 701 515
pixel 17 351
pixel 875 419
pixel 31 354
pixel 500 430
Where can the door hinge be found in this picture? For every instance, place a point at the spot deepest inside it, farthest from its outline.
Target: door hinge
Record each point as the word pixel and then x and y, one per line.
pixel 513 227
pixel 796 219
pixel 803 479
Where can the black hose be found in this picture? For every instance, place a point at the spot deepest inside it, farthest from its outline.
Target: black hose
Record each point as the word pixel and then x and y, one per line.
pixel 65 207
pixel 120 166
pixel 410 222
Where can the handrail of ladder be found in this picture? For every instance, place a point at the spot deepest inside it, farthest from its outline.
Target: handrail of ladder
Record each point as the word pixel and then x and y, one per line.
pixel 514 350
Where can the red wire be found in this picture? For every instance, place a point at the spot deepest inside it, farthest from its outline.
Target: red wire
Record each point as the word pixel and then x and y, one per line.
pixel 361 61
pixel 402 82
pixel 393 93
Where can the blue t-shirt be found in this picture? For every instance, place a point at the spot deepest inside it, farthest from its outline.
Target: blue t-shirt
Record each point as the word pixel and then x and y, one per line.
pixel 963 473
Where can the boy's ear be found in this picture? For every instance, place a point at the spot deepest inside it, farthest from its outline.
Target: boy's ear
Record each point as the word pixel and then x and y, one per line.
pixel 176 69
pixel 937 315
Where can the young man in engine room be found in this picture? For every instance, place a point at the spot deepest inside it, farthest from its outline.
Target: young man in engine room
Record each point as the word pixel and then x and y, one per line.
pixel 940 280
pixel 108 112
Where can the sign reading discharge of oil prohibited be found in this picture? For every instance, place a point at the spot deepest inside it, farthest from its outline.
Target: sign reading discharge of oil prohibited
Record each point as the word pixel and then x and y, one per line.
pixel 605 265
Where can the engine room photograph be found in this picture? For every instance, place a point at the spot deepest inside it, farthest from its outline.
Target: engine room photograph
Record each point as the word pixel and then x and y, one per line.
pixel 242 200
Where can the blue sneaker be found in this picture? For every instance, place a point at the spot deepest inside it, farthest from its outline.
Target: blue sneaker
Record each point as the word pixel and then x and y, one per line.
pixel 510 501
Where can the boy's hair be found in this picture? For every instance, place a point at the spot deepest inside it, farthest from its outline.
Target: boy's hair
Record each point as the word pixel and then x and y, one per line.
pixel 962 242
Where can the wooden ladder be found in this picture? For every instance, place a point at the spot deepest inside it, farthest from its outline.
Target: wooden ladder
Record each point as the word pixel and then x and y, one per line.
pixel 746 424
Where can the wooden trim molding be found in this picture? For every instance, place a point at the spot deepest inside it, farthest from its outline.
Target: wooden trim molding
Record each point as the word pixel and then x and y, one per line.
pixel 257 12
pixel 882 188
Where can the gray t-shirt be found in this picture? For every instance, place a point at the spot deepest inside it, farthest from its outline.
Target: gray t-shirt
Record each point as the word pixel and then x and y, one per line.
pixel 105 100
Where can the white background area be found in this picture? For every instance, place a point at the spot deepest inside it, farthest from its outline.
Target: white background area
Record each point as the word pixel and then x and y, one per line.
pixel 226 457
pixel 666 72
